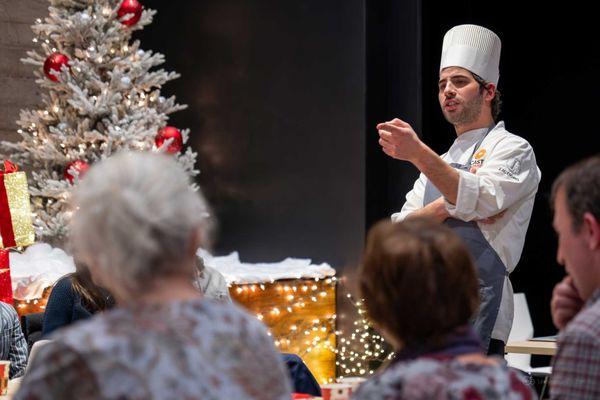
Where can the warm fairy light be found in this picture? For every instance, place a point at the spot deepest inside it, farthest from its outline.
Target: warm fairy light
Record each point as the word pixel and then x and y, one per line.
pixel 293 331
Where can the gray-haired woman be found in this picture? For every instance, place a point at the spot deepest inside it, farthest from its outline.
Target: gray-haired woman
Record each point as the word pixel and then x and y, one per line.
pixel 137 225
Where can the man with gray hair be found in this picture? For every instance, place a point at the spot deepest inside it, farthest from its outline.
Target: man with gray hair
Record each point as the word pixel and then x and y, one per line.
pixel 576 300
pixel 484 186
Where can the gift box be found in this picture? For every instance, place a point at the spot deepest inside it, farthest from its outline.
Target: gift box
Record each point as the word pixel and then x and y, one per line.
pixel 16 228
pixel 6 294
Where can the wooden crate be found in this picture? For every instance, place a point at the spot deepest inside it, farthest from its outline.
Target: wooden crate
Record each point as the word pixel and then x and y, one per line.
pixel 300 316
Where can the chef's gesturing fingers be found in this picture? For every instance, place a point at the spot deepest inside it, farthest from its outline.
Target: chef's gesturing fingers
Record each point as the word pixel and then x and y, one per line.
pixel 398 139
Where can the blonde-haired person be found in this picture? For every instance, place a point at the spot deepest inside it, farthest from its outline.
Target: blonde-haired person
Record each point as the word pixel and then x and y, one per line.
pixel 137 226
pixel 420 289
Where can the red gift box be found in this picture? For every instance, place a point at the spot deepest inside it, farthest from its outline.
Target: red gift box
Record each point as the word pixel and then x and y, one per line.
pixel 6 294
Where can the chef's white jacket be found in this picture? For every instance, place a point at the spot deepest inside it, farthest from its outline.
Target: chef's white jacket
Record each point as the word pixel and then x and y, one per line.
pixel 507 178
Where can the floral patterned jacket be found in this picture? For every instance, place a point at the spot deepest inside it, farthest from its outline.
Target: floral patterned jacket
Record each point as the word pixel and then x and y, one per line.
pixel 196 349
pixel 430 378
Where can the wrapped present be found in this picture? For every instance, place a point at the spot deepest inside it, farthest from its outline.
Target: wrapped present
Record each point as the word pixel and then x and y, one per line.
pixel 16 228
pixel 6 294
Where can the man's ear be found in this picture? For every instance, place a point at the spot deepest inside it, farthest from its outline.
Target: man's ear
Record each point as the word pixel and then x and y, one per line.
pixel 591 228
pixel 490 92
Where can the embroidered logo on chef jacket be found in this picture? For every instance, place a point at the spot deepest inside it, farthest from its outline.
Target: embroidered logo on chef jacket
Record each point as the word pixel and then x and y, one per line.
pixel 480 154
pixel 477 160
pixel 514 166
pixel 511 168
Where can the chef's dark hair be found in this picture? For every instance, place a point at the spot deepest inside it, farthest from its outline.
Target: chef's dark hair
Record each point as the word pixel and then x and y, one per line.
pixel 581 185
pixel 496 101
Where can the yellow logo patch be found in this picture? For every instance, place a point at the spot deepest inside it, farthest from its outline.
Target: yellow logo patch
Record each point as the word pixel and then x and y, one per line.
pixel 480 154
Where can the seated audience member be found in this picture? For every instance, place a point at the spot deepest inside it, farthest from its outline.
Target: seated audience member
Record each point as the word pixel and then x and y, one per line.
pixel 74 297
pixel 420 290
pixel 13 346
pixel 576 300
pixel 162 340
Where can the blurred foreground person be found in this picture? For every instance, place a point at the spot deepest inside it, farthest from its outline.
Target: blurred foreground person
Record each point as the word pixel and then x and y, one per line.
pixel 576 300
pixel 420 290
pixel 137 225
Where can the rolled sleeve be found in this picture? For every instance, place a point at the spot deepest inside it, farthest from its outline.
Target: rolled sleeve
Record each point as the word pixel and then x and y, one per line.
pixel 468 193
pixel 508 175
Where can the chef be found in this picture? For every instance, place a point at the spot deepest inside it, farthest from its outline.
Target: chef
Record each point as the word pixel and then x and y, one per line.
pixel 484 186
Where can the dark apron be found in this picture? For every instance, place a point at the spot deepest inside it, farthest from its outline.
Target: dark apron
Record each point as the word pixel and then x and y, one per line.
pixel 491 269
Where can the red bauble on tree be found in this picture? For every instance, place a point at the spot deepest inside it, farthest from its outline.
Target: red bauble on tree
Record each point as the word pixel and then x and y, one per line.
pixel 170 132
pixel 77 165
pixel 55 62
pixel 130 7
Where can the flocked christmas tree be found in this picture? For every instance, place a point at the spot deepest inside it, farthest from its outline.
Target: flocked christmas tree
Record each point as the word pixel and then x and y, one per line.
pixel 101 96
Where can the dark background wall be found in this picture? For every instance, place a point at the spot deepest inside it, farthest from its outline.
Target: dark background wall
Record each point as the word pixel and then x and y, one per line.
pixel 276 108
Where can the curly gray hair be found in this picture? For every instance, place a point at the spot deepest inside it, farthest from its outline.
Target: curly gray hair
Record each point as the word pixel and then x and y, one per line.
pixel 136 219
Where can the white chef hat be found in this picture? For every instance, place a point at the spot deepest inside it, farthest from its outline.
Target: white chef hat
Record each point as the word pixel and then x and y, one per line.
pixel 474 48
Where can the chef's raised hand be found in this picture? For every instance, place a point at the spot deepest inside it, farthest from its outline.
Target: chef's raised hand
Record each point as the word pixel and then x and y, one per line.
pixel 399 140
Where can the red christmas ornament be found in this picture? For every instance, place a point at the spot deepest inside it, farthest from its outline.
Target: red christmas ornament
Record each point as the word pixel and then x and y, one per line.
pixel 130 7
pixel 54 62
pixel 77 165
pixel 169 132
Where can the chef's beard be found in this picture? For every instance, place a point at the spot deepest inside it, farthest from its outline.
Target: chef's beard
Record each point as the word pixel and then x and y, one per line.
pixel 470 112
